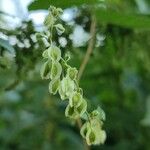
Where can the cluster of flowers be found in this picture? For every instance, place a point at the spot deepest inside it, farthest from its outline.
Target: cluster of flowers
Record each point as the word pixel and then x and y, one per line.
pixel 63 80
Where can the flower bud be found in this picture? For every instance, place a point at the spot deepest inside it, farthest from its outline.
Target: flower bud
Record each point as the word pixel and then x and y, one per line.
pixel 80 91
pixel 45 70
pixel 55 11
pixel 59 10
pixel 67 56
pixel 72 73
pixel 45 54
pixel 60 29
pixel 90 136
pixel 95 137
pixel 82 108
pixel 54 53
pixel 39 35
pixel 49 20
pixel 101 137
pixel 56 70
pixel 75 100
pixel 98 113
pixel 74 112
pixel 93 133
pixel 71 113
pixel 84 129
pixel 62 92
pixel 67 87
pixel 54 86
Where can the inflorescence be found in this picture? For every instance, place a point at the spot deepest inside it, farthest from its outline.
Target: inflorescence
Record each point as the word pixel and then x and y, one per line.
pixel 63 80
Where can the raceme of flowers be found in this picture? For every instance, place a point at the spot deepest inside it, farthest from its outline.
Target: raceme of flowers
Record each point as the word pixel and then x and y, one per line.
pixel 63 80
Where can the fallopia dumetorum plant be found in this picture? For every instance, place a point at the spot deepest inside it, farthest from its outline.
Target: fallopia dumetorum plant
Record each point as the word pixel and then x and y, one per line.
pixel 63 80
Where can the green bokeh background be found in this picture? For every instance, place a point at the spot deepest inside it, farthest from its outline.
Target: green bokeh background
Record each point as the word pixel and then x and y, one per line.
pixel 117 78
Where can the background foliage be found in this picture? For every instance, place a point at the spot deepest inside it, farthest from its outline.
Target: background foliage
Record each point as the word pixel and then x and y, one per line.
pixel 117 78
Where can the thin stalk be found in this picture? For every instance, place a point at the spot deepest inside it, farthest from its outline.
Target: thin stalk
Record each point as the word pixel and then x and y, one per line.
pixel 89 49
pixel 83 65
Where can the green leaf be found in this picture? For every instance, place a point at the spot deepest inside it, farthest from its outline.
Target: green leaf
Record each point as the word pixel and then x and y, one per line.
pixel 44 4
pixel 134 21
pixel 5 44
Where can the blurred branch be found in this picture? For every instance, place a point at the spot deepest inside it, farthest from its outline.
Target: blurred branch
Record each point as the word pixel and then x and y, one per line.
pixel 89 49
pixel 12 85
pixel 84 63
pixel 125 20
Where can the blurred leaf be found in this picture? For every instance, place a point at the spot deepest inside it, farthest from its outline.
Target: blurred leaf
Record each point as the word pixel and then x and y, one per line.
pixel 123 19
pixel 7 46
pixel 5 62
pixel 38 4
pixel 146 120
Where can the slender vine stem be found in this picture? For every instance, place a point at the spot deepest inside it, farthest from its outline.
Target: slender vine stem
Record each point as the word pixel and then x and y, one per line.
pixel 89 49
pixel 84 63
